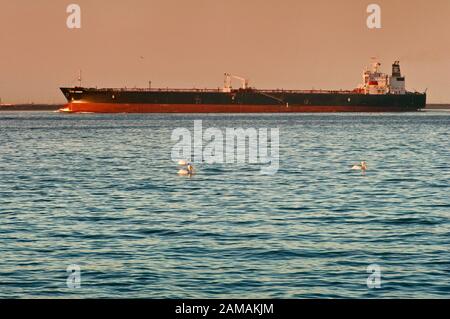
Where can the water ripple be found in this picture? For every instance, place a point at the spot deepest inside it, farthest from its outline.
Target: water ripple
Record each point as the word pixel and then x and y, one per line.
pixel 101 191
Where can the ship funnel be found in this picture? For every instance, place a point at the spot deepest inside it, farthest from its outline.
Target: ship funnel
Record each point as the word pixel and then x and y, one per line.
pixel 397 81
pixel 396 69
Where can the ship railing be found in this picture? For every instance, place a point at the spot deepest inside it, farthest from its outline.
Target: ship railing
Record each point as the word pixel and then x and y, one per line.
pixel 313 91
pixel 269 91
pixel 154 90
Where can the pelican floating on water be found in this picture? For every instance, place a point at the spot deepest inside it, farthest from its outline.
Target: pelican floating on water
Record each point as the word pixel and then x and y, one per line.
pixel 362 166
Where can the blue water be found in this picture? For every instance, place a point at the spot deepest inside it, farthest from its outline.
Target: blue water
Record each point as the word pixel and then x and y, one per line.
pixel 101 191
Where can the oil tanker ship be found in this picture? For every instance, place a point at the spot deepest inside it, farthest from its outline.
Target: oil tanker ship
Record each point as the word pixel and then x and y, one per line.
pixel 379 92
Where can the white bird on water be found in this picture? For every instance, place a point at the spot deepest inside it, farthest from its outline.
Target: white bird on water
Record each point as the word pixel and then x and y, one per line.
pixel 362 166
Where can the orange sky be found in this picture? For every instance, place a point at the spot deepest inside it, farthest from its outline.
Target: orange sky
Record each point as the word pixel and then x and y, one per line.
pixel 292 44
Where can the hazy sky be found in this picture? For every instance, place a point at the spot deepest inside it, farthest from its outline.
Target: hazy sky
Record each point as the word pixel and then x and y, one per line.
pixel 292 44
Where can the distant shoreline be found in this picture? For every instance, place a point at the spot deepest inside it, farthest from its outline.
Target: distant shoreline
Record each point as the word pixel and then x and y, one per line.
pixel 55 107
pixel 30 107
pixel 438 107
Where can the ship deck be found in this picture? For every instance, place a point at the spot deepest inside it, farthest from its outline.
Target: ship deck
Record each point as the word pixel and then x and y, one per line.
pixel 218 90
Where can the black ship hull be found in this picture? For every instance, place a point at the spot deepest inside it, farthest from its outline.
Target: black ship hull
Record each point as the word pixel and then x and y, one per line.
pixel 236 101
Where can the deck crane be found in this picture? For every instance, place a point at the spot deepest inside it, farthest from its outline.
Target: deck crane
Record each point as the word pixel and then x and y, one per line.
pixel 227 82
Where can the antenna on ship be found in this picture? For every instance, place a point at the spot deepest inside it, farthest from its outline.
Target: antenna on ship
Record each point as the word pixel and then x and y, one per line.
pixel 79 78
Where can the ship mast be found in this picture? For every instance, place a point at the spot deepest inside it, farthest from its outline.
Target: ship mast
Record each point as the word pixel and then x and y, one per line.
pixel 79 78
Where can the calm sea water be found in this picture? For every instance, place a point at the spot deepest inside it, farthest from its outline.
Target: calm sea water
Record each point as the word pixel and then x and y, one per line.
pixel 101 191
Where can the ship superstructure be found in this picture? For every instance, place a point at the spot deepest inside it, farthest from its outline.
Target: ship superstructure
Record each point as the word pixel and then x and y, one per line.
pixel 376 82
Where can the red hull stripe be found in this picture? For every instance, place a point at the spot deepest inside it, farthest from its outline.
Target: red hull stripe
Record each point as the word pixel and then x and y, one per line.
pixel 218 108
